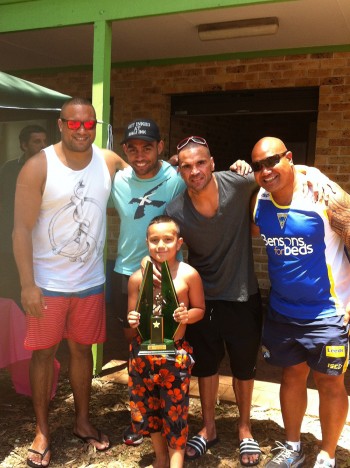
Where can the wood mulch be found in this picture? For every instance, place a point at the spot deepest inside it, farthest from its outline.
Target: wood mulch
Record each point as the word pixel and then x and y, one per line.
pixel 110 412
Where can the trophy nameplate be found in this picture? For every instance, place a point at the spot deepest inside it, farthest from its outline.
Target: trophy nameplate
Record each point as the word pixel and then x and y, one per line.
pixel 157 326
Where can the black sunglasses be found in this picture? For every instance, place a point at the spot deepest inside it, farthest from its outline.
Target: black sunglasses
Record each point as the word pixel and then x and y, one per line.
pixel 193 139
pixel 76 124
pixel 268 162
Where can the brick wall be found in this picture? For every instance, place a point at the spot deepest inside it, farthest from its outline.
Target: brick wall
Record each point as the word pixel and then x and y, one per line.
pixel 146 92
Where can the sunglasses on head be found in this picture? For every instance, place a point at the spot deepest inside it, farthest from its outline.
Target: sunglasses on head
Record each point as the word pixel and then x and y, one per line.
pixel 76 124
pixel 193 139
pixel 268 162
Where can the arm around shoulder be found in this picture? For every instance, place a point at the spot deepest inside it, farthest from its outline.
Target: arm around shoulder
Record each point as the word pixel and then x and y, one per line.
pixel 254 229
pixel 114 161
pixel 338 202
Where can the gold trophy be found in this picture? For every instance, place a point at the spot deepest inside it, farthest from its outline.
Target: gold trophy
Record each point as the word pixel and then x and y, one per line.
pixel 157 326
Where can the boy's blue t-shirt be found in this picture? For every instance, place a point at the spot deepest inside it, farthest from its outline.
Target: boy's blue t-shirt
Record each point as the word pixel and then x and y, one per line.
pixel 137 202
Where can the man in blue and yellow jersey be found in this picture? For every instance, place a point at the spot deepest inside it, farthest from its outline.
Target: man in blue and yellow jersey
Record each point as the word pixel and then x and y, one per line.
pixel 306 327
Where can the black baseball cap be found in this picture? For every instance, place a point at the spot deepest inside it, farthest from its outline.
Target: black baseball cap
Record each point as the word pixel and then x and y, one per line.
pixel 142 129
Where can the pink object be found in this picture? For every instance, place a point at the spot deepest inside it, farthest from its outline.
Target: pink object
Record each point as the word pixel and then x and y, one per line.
pixel 13 356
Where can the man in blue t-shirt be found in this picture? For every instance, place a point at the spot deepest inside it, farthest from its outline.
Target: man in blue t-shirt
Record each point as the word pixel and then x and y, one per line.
pixel 139 192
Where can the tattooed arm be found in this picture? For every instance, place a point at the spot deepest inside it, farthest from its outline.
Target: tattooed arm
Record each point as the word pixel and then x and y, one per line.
pixel 338 202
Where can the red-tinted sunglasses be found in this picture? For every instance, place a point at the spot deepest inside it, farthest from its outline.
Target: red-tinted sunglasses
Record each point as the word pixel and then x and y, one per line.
pixel 194 139
pixel 76 124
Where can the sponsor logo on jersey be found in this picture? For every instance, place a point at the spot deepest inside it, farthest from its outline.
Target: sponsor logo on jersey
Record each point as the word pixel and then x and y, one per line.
pixel 285 245
pixel 335 366
pixel 335 351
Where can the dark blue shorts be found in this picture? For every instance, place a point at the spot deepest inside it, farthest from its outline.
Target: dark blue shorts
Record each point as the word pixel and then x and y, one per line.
pixel 323 344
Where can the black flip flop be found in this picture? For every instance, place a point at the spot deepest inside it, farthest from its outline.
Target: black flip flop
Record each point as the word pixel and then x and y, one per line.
pixel 86 440
pixel 42 455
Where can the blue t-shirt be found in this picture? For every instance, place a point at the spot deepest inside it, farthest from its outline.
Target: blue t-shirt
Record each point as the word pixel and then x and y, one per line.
pixel 308 266
pixel 137 201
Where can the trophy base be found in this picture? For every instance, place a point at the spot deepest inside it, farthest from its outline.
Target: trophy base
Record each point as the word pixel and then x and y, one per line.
pixel 147 348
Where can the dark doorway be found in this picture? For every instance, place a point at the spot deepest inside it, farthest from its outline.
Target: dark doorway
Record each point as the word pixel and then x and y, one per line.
pixel 232 122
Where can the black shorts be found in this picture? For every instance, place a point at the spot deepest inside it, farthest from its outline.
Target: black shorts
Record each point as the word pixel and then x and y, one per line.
pixel 235 326
pixel 119 297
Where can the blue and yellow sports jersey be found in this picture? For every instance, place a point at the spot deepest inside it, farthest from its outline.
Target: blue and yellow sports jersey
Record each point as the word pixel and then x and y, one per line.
pixel 308 266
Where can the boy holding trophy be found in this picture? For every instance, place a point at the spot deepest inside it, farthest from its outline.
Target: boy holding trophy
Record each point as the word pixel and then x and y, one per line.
pixel 159 377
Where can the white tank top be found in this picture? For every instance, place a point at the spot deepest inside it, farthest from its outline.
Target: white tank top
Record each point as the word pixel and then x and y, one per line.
pixel 69 236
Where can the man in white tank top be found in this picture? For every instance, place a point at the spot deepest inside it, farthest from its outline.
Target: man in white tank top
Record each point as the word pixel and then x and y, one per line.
pixel 58 238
